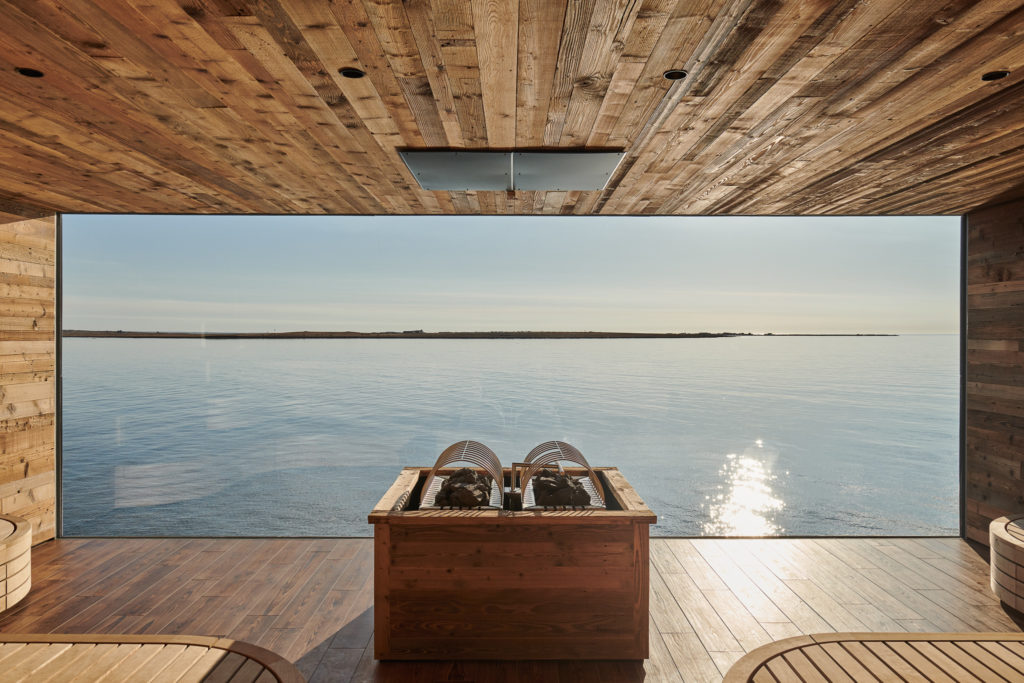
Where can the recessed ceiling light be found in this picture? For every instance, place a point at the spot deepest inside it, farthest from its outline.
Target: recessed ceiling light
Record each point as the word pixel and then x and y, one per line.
pixel 31 73
pixel 995 75
pixel 351 72
pixel 675 74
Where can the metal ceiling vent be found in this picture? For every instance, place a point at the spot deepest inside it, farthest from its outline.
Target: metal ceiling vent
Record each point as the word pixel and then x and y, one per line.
pixel 536 171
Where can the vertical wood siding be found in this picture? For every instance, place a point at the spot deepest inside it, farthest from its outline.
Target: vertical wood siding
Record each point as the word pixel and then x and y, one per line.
pixel 995 366
pixel 27 372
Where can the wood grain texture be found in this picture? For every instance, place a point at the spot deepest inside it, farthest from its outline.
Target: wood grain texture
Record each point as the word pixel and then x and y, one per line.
pixel 311 600
pixel 27 376
pixel 237 106
pixel 994 480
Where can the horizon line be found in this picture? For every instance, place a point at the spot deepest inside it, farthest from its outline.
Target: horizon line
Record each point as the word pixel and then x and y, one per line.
pixel 421 334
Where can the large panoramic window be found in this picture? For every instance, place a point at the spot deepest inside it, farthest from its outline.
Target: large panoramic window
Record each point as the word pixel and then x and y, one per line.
pixel 824 399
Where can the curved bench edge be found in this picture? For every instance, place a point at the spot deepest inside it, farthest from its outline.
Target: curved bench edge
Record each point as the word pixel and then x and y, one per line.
pixel 744 667
pixel 284 670
pixel 747 665
pixel 22 526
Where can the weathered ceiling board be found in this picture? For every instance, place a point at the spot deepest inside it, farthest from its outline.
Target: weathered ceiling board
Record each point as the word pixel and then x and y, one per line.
pixel 237 106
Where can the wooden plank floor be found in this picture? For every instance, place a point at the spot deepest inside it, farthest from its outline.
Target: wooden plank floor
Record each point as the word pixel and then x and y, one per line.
pixel 311 600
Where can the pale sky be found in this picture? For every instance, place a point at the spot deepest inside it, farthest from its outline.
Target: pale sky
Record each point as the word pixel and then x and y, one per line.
pixel 455 273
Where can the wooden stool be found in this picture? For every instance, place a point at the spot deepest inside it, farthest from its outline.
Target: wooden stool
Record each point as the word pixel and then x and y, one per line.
pixel 1006 569
pixel 15 560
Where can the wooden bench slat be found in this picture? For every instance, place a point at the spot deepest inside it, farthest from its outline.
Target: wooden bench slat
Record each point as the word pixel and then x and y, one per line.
pixel 160 661
pixel 828 666
pixel 266 677
pixel 847 661
pixel 801 664
pixel 892 660
pixel 878 667
pixel 979 662
pixel 108 655
pixel 17 657
pixel 7 650
pixel 944 663
pixel 24 663
pixel 226 668
pixel 206 664
pixel 195 662
pixel 920 662
pixel 782 671
pixel 39 658
pixel 249 673
pixel 124 671
pixel 1005 654
pixel 1014 647
pixel 60 668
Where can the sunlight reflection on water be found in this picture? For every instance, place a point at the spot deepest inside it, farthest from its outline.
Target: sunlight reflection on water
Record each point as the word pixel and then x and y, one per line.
pixel 745 504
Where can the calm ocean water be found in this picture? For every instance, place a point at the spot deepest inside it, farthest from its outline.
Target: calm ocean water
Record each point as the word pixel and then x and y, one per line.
pixel 747 435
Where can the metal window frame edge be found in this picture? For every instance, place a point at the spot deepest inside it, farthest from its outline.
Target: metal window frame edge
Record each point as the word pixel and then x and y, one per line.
pixel 58 506
pixel 963 375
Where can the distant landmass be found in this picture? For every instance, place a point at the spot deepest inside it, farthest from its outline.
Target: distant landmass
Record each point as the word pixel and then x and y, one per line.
pixel 420 334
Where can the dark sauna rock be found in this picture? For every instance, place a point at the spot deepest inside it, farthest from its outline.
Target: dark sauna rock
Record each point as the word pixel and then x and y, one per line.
pixel 465 488
pixel 555 489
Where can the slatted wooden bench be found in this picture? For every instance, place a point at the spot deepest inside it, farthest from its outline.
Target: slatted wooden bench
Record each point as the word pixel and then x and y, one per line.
pixel 90 657
pixel 939 657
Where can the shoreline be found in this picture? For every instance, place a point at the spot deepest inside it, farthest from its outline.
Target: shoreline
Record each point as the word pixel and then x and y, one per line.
pixel 419 334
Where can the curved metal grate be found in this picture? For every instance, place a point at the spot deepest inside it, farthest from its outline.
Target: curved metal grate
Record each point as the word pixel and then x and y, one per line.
pixel 472 452
pixel 557 452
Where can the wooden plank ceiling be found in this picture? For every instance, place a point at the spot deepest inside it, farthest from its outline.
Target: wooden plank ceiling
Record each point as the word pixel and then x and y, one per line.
pixel 238 106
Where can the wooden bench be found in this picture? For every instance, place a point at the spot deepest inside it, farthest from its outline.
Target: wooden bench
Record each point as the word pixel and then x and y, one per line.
pixel 947 657
pixel 15 560
pixel 89 657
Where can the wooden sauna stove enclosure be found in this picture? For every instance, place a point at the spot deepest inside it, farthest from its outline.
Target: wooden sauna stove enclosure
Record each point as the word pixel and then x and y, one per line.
pixel 494 583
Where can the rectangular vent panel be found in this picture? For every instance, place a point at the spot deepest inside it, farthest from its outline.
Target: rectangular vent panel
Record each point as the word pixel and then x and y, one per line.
pixel 564 171
pixel 451 170
pixel 555 170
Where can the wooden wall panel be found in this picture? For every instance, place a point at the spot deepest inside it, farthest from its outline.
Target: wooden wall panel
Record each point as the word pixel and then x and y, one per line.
pixel 27 372
pixel 995 367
